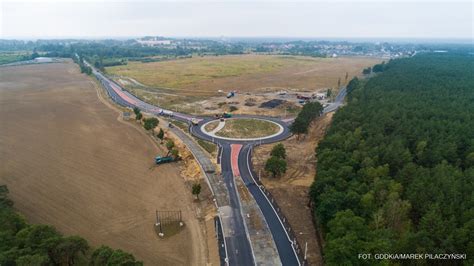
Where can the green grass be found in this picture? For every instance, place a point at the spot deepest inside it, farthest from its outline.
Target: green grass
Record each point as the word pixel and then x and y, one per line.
pixel 6 58
pixel 182 125
pixel 208 146
pixel 169 230
pixel 181 73
pixel 247 128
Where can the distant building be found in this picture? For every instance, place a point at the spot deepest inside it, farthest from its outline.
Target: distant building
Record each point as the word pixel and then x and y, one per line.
pixel 154 42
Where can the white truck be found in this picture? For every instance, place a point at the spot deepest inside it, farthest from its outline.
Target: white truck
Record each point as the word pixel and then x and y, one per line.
pixel 166 113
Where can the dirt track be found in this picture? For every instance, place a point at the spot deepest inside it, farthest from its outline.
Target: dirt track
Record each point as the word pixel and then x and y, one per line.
pixel 68 162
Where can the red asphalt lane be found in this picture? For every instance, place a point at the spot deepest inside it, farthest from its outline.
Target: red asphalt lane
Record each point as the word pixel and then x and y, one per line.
pixel 234 158
pixel 122 95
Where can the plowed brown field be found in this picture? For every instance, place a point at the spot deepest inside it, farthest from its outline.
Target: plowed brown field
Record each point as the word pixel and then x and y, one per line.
pixel 70 163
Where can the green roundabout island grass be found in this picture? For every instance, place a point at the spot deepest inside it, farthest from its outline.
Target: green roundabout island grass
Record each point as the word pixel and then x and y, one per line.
pixel 247 128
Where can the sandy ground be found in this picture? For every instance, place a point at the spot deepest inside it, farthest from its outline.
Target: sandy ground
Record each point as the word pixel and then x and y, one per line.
pixel 291 191
pixel 70 163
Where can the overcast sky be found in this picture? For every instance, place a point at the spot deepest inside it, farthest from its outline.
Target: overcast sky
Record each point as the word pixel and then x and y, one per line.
pixel 317 19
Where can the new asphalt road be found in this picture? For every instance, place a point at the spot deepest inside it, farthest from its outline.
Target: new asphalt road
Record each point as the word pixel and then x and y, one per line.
pixel 238 246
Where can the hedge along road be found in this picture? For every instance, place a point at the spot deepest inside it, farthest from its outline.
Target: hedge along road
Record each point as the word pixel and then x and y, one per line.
pixel 238 248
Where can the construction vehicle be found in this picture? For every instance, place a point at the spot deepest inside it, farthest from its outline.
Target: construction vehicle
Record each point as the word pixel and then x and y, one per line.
pixel 223 115
pixel 302 97
pixel 194 121
pixel 163 159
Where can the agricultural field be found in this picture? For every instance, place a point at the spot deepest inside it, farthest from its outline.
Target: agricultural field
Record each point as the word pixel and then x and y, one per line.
pixel 69 162
pixel 199 78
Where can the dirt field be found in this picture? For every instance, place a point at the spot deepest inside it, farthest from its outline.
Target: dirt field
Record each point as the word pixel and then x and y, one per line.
pixel 70 163
pixel 291 190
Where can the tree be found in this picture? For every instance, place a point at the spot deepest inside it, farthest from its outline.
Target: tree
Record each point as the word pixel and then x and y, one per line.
pixel 379 68
pixel 136 110
pixel 393 171
pixel 25 244
pixel 196 189
pixel 175 153
pixel 309 112
pixel 138 113
pixel 150 123
pixel 101 256
pixel 367 71
pixel 276 166
pixel 34 55
pixel 4 200
pixel 329 92
pixel 68 249
pixel 118 257
pixel 161 135
pixel 170 145
pixel 278 151
pixel 36 259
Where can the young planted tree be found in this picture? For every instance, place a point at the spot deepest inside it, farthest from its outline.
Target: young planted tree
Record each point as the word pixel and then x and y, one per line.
pixel 170 145
pixel 278 151
pixel 161 135
pixel 138 113
pixel 175 153
pixel 136 110
pixel 139 116
pixel 276 166
pixel 196 190
pixel 150 123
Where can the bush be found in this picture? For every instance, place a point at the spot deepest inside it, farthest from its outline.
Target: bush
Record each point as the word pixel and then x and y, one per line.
pixel 278 151
pixel 276 166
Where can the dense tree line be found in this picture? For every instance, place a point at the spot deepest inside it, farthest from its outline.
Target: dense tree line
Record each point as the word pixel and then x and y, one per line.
pixel 395 172
pixel 25 244
pixel 309 112
pixel 80 61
